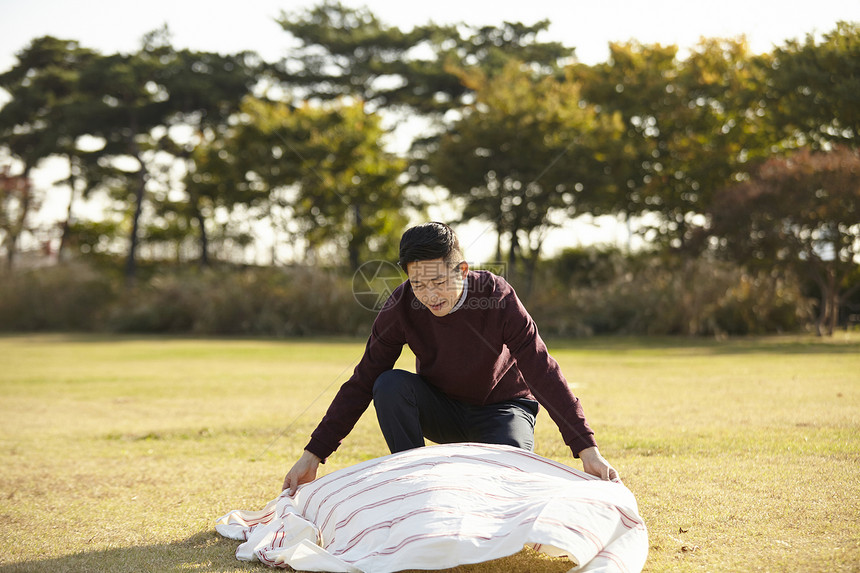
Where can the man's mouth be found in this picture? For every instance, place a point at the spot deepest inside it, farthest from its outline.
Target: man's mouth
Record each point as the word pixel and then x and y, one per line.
pixel 436 307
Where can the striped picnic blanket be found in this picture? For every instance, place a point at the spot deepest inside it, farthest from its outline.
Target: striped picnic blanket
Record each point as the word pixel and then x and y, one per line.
pixel 442 506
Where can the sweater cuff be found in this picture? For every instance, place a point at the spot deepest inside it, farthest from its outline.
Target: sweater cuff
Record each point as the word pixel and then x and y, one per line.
pixel 319 449
pixel 582 443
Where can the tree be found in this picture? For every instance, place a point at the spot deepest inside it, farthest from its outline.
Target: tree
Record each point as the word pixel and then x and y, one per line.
pixel 528 149
pixel 16 199
pixel 349 188
pixel 350 52
pixel 244 167
pixel 135 103
pixel 812 91
pixel 206 90
pixel 693 127
pixel 343 52
pixel 324 164
pixel 800 214
pixel 126 102
pixel 43 116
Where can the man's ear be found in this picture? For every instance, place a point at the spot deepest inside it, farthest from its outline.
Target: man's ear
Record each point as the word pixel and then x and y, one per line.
pixel 463 267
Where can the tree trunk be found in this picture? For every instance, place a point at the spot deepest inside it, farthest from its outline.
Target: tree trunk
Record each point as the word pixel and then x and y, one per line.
pixel 67 224
pixel 833 304
pixel 11 245
pixel 354 245
pixel 197 215
pixel 204 238
pixel 828 306
pixel 513 251
pixel 139 194
pixel 14 231
pixel 194 201
pixel 531 262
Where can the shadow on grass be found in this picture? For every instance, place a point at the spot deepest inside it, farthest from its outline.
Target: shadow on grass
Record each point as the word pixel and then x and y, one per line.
pixel 204 551
pixel 209 552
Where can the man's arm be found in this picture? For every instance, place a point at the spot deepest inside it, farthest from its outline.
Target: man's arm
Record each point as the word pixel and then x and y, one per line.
pixel 383 349
pixel 543 375
pixel 549 386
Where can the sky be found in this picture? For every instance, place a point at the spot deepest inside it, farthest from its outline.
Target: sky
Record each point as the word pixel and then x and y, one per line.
pixel 229 27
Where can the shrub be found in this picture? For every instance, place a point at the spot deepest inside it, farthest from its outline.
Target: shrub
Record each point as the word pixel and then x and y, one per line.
pixel 69 297
pixel 254 301
pixel 600 294
pixel 660 296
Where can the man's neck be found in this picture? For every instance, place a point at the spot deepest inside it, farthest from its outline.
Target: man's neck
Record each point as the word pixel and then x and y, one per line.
pixel 462 295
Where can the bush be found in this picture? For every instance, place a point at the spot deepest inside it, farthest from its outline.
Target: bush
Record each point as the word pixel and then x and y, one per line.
pixel 258 301
pixel 659 296
pixel 69 297
pixel 586 295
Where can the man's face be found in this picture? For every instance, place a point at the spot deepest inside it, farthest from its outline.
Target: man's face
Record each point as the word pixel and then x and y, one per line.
pixel 437 284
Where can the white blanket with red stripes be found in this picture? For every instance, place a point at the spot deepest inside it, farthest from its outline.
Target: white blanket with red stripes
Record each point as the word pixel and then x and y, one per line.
pixel 442 506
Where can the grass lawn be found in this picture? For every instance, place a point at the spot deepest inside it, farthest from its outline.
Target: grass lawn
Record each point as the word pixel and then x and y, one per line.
pixel 118 453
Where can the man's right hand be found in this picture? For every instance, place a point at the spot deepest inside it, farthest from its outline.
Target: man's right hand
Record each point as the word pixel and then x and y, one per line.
pixel 303 471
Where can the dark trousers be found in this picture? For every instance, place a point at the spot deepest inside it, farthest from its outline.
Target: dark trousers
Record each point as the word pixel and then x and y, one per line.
pixel 409 409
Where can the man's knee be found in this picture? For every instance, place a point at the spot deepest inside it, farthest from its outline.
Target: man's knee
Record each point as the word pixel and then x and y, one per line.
pixel 392 386
pixel 510 425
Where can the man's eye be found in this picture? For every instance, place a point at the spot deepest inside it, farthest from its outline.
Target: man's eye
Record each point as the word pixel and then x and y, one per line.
pixel 439 283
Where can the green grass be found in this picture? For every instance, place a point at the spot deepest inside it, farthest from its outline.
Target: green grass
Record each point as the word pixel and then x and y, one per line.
pixel 117 454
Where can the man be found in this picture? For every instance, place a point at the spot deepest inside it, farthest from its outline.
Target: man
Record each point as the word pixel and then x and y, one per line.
pixel 481 367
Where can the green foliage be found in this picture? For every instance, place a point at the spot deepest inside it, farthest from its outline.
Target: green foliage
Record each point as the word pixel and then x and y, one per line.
pixel 43 115
pixel 351 52
pixel 526 153
pixel 692 125
pixel 41 118
pixel 173 139
pixel 325 165
pixel 92 239
pixel 158 88
pixel 358 49
pixel 587 266
pixel 814 88
pixel 17 202
pixel 294 301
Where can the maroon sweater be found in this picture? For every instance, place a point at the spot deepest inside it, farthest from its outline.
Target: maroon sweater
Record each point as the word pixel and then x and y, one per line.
pixel 487 351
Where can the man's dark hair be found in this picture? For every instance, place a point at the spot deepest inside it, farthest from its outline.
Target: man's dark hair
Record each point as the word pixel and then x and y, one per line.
pixel 430 241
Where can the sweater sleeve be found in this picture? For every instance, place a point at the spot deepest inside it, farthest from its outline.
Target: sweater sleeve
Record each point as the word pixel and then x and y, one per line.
pixel 543 375
pixel 383 349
